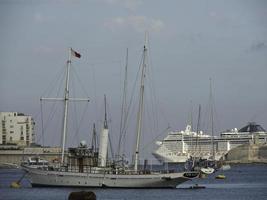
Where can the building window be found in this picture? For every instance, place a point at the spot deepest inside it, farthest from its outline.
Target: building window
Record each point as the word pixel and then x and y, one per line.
pixel 11 132
pixel 10 138
pixel 4 139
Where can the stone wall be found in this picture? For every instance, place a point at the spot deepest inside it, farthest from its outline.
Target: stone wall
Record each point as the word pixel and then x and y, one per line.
pixel 263 153
pixel 248 153
pixel 17 156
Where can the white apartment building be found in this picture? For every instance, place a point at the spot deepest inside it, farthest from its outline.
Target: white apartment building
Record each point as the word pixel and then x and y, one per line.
pixel 16 128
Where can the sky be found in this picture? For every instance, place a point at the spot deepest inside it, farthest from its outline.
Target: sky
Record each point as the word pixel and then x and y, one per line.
pixel 189 43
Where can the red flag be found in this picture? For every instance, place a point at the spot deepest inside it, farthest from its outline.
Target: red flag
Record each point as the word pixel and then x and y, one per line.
pixel 76 54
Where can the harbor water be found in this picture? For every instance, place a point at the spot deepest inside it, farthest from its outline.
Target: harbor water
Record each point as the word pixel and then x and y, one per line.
pixel 242 182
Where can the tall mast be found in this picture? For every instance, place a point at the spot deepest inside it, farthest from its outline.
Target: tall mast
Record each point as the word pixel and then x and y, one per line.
pixel 66 100
pixel 66 103
pixel 191 115
pixel 140 109
pixel 191 124
pixel 198 126
pixel 124 105
pixel 211 118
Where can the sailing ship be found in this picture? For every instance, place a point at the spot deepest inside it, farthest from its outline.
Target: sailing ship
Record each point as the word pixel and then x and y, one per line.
pixel 86 168
pixel 195 163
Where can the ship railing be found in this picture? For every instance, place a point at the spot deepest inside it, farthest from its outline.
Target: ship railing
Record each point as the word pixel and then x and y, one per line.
pixel 154 166
pixel 149 166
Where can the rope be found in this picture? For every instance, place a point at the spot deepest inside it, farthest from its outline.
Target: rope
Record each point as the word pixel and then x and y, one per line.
pixel 79 81
pixel 154 139
pixel 76 135
pixel 78 126
pixel 125 127
pixel 58 78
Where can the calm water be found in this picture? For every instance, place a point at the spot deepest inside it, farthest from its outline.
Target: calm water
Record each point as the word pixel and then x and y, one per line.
pixel 242 182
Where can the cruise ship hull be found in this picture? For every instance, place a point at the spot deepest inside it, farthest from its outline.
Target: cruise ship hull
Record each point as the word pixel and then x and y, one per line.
pixel 164 157
pixel 45 178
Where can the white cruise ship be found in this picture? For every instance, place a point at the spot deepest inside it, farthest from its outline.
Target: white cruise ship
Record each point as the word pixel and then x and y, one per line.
pixel 178 146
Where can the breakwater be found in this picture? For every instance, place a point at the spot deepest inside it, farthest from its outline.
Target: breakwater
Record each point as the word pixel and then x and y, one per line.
pixel 16 155
pixel 248 153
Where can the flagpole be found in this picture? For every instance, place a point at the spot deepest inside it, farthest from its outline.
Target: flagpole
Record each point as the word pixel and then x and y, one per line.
pixel 66 105
pixel 66 100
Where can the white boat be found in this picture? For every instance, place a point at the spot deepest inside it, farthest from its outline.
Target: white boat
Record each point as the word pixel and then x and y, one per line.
pixel 207 170
pixel 100 173
pixel 34 162
pixel 178 146
pixel 204 166
pixel 107 179
pixel 225 167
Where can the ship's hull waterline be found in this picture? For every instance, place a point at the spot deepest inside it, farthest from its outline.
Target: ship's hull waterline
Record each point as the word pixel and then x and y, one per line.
pixel 41 178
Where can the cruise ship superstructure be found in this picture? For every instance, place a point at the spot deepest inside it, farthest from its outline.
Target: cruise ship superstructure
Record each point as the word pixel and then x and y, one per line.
pixel 178 146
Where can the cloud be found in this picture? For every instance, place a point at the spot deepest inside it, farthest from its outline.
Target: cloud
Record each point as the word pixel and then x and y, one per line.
pixel 42 49
pixel 136 23
pixel 38 17
pixel 129 4
pixel 258 46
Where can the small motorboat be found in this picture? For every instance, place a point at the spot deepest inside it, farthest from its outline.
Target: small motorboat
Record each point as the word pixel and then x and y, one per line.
pixel 207 170
pixel 225 167
pixel 34 163
pixel 220 176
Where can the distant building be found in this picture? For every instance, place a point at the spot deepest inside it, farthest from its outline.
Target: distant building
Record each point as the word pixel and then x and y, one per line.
pixel 16 128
